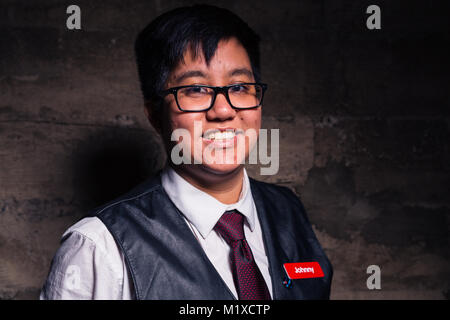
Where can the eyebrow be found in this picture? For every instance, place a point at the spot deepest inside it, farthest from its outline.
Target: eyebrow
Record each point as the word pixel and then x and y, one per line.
pixel 189 74
pixel 241 72
pixel 197 73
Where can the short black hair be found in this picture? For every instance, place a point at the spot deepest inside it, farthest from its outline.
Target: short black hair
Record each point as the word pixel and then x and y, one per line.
pixel 161 45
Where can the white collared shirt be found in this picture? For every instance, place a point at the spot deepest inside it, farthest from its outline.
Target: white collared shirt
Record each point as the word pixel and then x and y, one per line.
pixel 90 265
pixel 202 212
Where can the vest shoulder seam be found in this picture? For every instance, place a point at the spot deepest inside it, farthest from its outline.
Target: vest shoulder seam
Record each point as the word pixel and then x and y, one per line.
pixel 127 199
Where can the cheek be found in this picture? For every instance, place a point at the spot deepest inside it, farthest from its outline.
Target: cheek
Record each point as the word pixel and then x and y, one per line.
pixel 185 121
pixel 252 119
pixel 172 121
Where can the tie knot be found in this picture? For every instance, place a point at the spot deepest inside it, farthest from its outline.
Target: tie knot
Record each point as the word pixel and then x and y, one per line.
pixel 231 226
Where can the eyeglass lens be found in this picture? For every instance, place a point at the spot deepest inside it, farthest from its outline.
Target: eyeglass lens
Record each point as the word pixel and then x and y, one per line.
pixel 199 98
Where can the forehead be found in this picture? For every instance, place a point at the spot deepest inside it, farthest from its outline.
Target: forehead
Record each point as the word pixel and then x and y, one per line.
pixel 229 55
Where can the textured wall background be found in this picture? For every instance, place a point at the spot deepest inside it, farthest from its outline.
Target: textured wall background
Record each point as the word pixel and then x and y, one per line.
pixel 363 118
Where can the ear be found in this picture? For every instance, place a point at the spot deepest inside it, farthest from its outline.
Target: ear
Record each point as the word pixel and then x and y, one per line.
pixel 154 119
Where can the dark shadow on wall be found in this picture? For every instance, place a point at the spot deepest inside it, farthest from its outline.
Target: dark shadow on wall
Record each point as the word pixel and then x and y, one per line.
pixel 111 161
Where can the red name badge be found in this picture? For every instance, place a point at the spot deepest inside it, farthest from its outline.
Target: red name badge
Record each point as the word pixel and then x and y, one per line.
pixel 303 270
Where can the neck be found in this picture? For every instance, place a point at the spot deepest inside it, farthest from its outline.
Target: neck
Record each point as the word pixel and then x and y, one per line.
pixel 226 188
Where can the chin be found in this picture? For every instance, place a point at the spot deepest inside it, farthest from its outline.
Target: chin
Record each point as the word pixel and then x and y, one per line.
pixel 221 169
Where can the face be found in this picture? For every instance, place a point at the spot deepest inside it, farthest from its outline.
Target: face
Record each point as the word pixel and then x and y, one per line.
pixel 217 137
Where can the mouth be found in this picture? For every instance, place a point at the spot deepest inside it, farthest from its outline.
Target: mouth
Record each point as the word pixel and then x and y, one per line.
pixel 221 134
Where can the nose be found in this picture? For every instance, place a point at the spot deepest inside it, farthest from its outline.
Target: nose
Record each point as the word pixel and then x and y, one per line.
pixel 221 110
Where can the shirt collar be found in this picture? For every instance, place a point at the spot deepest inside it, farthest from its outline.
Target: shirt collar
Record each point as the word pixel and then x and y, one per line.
pixel 201 209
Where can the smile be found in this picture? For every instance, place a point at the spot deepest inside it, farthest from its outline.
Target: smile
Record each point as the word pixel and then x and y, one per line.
pixel 217 134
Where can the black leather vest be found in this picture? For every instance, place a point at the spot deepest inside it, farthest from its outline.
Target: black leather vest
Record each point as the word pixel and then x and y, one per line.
pixel 166 261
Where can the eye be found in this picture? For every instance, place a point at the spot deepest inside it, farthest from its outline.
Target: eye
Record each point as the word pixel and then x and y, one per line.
pixel 194 91
pixel 239 88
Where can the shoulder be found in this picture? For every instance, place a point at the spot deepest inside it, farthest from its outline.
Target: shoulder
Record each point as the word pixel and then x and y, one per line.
pixel 276 191
pixel 87 265
pixel 90 240
pixel 281 203
pixel 93 231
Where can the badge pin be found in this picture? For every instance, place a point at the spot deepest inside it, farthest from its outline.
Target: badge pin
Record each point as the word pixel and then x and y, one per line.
pixel 287 282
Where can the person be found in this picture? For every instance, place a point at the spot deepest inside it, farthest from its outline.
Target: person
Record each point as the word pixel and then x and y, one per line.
pixel 202 228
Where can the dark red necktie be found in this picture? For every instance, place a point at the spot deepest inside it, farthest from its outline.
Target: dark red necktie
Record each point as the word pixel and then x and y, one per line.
pixel 249 282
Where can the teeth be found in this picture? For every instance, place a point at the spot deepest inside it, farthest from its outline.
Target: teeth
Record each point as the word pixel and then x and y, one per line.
pixel 219 135
pixel 229 134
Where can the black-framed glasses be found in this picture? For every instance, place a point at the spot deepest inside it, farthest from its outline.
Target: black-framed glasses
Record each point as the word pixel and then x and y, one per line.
pixel 196 98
